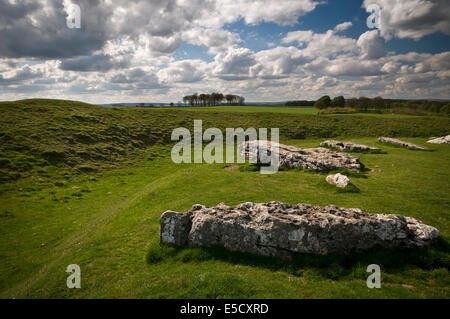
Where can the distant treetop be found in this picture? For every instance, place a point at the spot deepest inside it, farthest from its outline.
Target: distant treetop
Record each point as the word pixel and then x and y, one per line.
pixel 213 99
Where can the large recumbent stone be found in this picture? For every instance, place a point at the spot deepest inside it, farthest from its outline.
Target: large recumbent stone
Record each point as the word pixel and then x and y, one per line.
pixel 280 230
pixel 398 142
pixel 316 159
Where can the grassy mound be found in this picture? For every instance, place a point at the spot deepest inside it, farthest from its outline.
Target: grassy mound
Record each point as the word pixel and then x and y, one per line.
pixel 39 133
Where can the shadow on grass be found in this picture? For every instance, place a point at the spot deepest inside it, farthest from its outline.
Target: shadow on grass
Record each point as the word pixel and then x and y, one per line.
pixel 333 266
pixel 350 188
pixel 255 167
pixel 377 151
pixel 405 147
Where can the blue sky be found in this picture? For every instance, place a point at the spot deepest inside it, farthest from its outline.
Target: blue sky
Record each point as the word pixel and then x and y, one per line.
pixel 323 18
pixel 264 50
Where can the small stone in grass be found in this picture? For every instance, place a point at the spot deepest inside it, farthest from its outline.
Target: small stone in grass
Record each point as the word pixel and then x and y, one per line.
pixel 339 180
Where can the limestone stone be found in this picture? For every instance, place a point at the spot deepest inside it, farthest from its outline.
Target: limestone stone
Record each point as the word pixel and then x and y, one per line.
pixel 317 159
pixel 440 140
pixel 348 146
pixel 395 141
pixel 339 180
pixel 281 230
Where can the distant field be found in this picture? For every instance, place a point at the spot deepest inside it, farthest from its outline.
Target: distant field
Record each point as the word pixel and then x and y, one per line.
pixel 250 109
pixel 86 185
pixel 283 110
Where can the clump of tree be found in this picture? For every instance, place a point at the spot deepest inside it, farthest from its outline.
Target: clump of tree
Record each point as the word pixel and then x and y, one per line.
pixel 213 99
pixel 300 103
pixel 380 105
pixel 323 103
pixel 362 104
pixel 445 110
pixel 234 99
pixel 338 101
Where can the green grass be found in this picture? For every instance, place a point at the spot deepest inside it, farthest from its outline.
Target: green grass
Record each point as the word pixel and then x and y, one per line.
pixel 258 109
pixel 291 110
pixel 106 220
pixel 39 135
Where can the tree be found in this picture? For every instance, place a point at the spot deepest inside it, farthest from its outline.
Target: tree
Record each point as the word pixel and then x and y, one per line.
pixel 323 102
pixel 189 99
pixel 435 107
pixel 377 103
pixel 212 99
pixel 203 99
pixel 363 103
pixel 445 110
pixel 208 99
pixel 388 103
pixel 229 98
pixel 300 103
pixel 186 99
pixel 412 104
pixel 338 101
pixel 220 97
pixel 353 103
pixel 195 99
pixel 216 98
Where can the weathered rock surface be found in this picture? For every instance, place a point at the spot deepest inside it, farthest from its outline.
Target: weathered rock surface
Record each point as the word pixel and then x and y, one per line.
pixel 317 159
pixel 401 143
pixel 348 146
pixel 339 180
pixel 280 230
pixel 440 140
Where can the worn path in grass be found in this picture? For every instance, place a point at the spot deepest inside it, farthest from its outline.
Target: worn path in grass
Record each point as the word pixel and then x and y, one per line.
pixel 82 235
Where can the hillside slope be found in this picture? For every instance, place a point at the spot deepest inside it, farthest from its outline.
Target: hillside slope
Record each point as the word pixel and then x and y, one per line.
pixel 41 133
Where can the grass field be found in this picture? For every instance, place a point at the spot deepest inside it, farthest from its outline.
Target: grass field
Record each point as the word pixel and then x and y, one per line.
pixel 252 109
pixel 285 110
pixel 86 185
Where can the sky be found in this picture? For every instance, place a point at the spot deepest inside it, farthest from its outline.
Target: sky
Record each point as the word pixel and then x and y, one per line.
pixel 113 51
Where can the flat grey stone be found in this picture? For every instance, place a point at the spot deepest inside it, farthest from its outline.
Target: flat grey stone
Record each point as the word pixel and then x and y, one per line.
pixel 348 146
pixel 395 141
pixel 440 140
pixel 317 159
pixel 280 230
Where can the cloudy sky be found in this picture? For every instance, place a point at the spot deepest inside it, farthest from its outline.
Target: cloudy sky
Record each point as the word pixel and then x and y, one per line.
pixel 265 50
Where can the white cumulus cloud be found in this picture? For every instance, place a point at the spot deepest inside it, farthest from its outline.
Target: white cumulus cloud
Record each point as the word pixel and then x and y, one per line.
pixel 412 18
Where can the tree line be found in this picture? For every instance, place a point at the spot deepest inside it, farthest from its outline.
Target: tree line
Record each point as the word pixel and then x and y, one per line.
pixel 300 103
pixel 366 104
pixel 213 99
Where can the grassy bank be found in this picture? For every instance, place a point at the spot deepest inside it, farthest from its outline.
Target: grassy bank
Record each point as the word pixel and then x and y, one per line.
pixel 36 135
